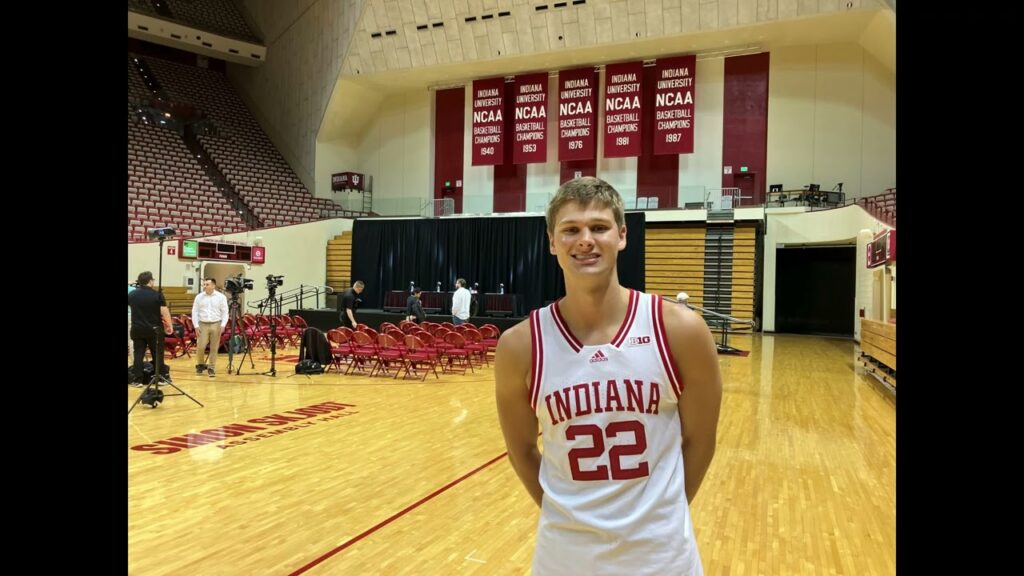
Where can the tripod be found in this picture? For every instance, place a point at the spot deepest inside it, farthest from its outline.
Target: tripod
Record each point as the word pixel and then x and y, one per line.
pixel 158 378
pixel 270 304
pixel 235 321
pixel 275 310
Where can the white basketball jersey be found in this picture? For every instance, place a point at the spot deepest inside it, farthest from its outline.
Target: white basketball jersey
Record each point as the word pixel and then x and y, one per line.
pixel 612 469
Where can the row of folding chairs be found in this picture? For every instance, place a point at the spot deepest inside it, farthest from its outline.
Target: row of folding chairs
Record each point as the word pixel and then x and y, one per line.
pixel 258 331
pixel 488 333
pixel 416 350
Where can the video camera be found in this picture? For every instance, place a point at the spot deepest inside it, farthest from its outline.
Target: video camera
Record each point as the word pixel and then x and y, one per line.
pixel 161 233
pixel 236 284
pixel 274 281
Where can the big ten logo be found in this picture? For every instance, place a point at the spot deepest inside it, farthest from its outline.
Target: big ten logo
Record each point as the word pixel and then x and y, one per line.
pixel 638 340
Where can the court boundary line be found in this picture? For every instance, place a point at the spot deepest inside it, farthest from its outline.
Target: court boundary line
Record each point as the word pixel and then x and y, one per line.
pixel 395 516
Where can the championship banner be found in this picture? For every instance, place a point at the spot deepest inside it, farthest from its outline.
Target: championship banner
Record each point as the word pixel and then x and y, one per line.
pixel 531 119
pixel 488 126
pixel 577 114
pixel 673 105
pixel 622 98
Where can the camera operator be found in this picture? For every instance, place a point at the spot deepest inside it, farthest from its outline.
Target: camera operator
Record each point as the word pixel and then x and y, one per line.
pixel 149 310
pixel 210 316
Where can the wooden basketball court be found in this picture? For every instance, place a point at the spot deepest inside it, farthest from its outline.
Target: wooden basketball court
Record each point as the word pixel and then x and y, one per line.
pixel 334 474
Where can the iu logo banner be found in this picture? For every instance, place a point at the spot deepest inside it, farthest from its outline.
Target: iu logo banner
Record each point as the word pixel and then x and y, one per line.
pixel 622 98
pixel 577 116
pixel 488 124
pixel 673 105
pixel 347 181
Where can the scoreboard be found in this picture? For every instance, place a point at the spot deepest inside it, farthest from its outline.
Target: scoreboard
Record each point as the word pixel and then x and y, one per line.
pixel 882 249
pixel 189 249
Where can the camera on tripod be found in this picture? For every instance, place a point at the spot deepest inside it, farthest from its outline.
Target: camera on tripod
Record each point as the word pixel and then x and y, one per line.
pixel 161 233
pixel 236 284
pixel 274 281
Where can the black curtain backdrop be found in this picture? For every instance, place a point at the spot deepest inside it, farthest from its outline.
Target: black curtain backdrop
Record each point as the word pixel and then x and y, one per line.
pixel 815 287
pixel 388 254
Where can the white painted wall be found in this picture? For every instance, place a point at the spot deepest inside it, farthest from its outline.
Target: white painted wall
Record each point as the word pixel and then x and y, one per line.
pixel 298 252
pixel 795 226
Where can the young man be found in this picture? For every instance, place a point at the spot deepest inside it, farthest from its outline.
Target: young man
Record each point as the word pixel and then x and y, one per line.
pixel 414 308
pixel 622 387
pixel 347 304
pixel 460 303
pixel 209 316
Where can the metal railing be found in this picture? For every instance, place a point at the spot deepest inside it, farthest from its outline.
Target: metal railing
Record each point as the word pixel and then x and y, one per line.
pixel 438 208
pixel 723 198
pixel 723 321
pixel 296 297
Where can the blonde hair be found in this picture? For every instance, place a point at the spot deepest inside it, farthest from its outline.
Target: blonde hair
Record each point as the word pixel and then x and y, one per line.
pixel 585 191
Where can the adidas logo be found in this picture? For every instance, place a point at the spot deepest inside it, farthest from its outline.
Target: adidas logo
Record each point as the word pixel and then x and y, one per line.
pixel 598 357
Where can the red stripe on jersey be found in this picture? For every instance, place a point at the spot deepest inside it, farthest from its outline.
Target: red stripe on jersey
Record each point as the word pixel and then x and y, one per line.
pixel 574 342
pixel 634 303
pixel 536 356
pixel 664 350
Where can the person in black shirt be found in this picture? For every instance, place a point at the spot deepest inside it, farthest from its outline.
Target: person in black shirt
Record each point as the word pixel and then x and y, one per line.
pixel 414 308
pixel 347 304
pixel 149 312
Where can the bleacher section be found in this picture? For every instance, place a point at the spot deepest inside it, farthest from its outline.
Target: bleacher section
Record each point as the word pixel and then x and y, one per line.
pixel 142 7
pixel 218 16
pixel 242 152
pixel 167 187
pixel 878 349
pixel 136 87
pixel 675 260
pixel 881 206
pixel 714 265
pixel 339 262
pixel 744 263
pixel 179 300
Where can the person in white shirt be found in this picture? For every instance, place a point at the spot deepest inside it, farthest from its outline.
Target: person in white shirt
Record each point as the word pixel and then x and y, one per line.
pixel 460 302
pixel 210 316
